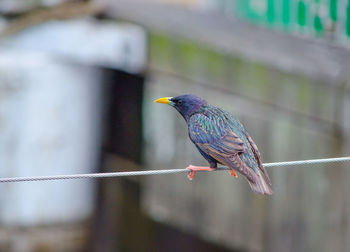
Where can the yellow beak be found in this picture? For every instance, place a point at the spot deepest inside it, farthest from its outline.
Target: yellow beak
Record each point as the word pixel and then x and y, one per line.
pixel 165 100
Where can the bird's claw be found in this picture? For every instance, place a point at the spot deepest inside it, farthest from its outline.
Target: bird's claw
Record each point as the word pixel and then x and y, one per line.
pixel 191 173
pixel 233 173
pixel 193 169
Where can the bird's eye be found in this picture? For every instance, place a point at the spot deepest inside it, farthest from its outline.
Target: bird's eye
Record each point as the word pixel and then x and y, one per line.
pixel 179 102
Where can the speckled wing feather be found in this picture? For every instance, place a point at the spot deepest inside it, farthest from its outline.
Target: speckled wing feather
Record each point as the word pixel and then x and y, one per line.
pixel 214 137
pixel 210 129
pixel 221 136
pixel 257 155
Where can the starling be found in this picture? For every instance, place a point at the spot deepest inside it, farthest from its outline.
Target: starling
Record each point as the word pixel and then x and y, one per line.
pixel 221 139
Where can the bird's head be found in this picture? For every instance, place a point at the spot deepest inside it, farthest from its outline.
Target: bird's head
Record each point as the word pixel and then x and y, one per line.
pixel 185 104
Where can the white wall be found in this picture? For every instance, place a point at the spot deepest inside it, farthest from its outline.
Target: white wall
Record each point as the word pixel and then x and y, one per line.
pixel 49 124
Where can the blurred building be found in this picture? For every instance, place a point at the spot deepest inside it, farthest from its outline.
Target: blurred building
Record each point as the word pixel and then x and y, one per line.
pixel 84 86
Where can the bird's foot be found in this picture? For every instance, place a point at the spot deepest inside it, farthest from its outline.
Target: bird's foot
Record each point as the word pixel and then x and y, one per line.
pixel 233 173
pixel 193 169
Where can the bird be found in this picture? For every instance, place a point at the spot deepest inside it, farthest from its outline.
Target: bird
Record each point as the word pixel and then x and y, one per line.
pixel 221 139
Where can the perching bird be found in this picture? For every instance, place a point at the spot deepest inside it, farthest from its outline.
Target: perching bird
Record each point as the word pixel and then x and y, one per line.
pixel 221 138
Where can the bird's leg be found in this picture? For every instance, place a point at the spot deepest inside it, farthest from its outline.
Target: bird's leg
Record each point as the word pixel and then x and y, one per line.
pixel 233 173
pixel 193 169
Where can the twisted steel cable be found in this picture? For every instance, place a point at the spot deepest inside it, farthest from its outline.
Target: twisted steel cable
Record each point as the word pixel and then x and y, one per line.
pixel 159 172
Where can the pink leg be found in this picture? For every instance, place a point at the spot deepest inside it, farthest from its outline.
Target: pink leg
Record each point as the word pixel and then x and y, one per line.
pixel 193 169
pixel 233 173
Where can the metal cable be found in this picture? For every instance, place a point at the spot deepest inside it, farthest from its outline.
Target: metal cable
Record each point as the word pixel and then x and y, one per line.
pixel 159 172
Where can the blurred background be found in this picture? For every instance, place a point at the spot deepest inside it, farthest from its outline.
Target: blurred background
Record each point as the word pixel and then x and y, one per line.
pixel 77 84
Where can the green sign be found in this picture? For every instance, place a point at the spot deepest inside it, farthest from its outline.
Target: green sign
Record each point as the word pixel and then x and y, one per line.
pixel 320 18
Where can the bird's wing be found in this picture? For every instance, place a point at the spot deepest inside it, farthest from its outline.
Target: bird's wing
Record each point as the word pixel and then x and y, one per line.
pixel 214 135
pixel 227 143
pixel 256 152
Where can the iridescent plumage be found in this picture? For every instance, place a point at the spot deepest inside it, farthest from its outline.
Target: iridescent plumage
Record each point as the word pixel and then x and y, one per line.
pixel 221 138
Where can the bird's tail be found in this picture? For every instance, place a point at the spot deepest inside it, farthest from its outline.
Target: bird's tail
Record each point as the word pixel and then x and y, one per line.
pixel 260 185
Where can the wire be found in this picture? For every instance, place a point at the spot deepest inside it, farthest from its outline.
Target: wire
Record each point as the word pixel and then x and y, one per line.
pixel 159 172
pixel 308 162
